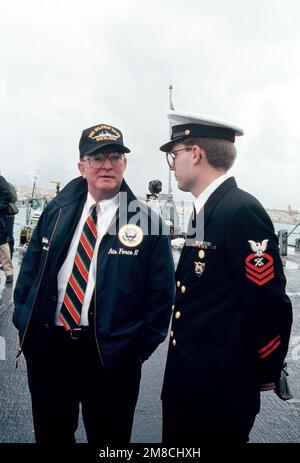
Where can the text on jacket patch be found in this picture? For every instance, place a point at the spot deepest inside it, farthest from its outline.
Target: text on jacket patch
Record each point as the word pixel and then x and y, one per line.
pixel 128 252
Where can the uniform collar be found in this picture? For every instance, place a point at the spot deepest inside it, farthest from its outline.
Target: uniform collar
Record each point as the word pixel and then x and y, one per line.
pixel 203 197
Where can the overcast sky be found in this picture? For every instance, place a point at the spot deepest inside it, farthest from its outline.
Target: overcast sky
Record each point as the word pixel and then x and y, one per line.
pixel 69 64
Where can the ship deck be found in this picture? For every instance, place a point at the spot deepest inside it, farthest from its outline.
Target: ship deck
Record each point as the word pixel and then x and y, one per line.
pixel 278 421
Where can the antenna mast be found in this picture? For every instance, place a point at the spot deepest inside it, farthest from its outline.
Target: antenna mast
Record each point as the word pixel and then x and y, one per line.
pixel 171 108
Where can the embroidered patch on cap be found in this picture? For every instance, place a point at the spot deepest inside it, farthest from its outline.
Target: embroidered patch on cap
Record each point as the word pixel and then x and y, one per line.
pixel 104 132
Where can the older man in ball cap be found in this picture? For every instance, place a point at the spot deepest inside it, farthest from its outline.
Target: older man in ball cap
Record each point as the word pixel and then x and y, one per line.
pixel 93 299
pixel 232 318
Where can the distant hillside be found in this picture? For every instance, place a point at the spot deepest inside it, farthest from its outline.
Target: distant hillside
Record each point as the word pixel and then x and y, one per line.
pixel 281 216
pixel 25 192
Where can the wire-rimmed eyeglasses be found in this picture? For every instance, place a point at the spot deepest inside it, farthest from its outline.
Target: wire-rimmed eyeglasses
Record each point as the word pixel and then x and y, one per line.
pixel 172 154
pixel 98 159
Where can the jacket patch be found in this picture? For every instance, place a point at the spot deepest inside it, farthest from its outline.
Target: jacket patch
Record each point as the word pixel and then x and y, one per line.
pixel 45 243
pixel 131 235
pixel 260 270
pixel 122 251
pixel 258 248
pixel 259 265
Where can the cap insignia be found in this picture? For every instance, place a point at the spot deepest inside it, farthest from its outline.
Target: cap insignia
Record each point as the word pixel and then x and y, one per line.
pixel 104 132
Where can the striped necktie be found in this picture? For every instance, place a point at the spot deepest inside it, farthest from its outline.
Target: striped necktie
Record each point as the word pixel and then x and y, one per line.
pixel 70 312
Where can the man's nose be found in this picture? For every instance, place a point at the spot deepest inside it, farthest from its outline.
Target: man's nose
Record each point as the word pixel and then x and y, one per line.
pixel 107 164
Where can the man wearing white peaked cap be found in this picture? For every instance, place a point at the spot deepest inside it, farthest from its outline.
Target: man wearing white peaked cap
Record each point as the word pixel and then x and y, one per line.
pixel 232 318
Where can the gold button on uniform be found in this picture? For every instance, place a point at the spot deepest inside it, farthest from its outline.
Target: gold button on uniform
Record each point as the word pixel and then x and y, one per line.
pixel 183 289
pixel 201 254
pixel 178 284
pixel 177 314
pixel 171 334
pixel 174 342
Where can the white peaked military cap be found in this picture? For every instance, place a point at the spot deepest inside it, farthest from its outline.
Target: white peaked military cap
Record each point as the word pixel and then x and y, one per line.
pixel 186 125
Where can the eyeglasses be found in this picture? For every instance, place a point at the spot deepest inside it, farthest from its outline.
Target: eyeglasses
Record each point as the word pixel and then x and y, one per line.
pixel 171 156
pixel 98 160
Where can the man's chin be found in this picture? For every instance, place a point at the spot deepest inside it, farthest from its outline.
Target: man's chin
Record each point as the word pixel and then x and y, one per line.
pixel 106 183
pixel 181 186
pixel 107 188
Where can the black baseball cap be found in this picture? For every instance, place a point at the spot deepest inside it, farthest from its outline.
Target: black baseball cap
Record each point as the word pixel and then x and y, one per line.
pixel 99 136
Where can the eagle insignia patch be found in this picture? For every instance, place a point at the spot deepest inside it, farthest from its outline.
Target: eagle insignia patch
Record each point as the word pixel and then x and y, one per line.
pixel 259 265
pixel 131 235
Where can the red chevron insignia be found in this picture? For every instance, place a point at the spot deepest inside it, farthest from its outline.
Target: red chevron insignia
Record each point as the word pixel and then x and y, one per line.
pixel 260 269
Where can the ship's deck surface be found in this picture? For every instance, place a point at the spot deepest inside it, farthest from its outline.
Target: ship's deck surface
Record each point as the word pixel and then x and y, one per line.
pixel 278 421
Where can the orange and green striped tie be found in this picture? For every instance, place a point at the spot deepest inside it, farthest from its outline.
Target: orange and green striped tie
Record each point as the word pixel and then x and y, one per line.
pixel 70 312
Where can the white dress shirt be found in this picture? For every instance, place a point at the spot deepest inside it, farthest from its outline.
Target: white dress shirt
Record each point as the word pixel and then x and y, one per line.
pixel 203 197
pixel 105 212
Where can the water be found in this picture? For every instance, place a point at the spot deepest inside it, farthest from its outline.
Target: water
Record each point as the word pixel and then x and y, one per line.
pixel 289 227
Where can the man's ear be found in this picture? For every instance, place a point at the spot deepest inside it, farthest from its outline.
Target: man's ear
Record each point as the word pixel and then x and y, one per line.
pixel 197 154
pixel 81 169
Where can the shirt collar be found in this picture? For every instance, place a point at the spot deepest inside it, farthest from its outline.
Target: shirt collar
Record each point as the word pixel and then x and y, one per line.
pixel 104 204
pixel 203 197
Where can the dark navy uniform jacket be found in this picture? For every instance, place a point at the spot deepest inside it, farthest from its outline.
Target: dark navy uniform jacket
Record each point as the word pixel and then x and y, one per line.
pixel 5 198
pixel 134 288
pixel 232 319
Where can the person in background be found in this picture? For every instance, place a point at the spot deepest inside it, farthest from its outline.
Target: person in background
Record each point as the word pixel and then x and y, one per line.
pixel 10 220
pixel 232 317
pixel 5 257
pixel 93 299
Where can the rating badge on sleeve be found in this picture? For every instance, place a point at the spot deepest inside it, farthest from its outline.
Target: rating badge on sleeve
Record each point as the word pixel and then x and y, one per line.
pixel 259 264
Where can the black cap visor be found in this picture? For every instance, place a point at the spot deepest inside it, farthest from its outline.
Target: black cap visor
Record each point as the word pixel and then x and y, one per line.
pixel 117 146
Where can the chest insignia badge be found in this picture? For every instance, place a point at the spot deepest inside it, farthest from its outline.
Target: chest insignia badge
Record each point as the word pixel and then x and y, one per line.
pixel 199 268
pixel 131 235
pixel 201 254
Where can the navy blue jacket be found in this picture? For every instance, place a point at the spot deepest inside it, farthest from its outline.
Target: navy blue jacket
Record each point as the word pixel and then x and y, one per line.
pixel 232 317
pixel 134 286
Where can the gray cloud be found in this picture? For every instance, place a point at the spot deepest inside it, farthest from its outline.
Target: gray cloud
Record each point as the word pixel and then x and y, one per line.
pixel 67 65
